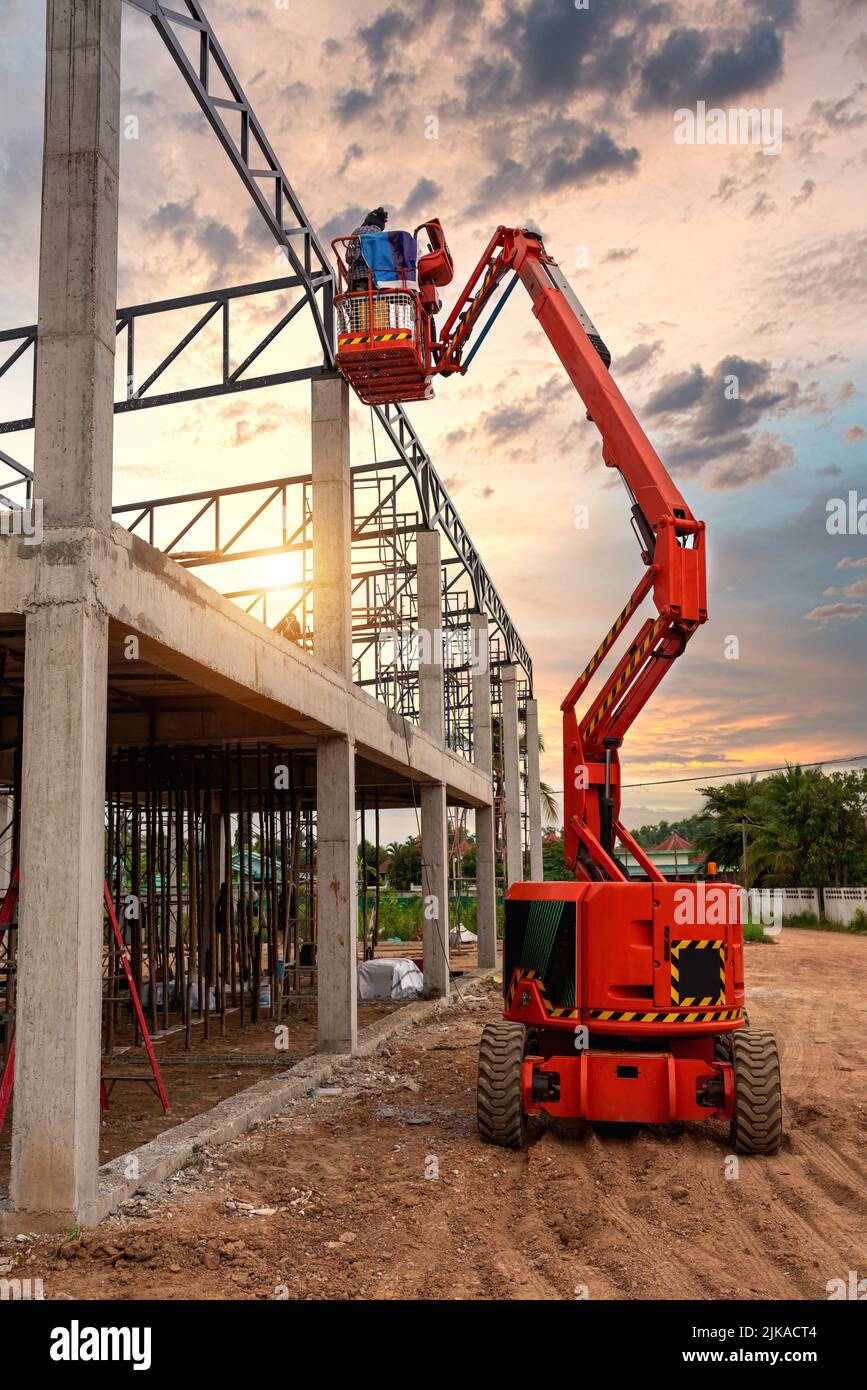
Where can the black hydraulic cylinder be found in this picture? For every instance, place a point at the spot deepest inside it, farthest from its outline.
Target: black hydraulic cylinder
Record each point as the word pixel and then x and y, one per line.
pixel 606 803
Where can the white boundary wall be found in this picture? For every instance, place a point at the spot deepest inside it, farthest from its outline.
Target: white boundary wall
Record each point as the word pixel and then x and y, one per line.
pixel 797 900
pixel 769 904
pixel 841 904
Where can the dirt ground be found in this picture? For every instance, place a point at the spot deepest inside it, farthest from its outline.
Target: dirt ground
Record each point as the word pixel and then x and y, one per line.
pixel 197 1079
pixel 384 1191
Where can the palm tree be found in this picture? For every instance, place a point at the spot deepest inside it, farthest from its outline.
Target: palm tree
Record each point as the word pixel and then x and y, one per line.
pixel 550 814
pixel 780 816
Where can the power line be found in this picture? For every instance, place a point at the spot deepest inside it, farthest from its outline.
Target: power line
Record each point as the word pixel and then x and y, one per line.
pixel 745 772
pixel 741 772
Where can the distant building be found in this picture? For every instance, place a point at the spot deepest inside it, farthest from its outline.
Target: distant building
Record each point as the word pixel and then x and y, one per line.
pixel 674 857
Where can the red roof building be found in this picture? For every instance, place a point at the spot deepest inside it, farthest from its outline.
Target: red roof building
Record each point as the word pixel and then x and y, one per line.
pixel 674 842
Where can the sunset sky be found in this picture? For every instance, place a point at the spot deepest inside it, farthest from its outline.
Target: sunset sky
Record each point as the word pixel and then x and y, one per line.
pixel 697 262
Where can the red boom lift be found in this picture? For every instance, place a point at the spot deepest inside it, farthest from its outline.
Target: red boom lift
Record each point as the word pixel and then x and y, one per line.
pixel 624 1001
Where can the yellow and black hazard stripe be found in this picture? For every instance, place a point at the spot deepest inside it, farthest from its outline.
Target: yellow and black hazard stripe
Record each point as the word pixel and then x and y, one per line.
pixel 517 976
pixel 553 1010
pixel 353 339
pixel 639 1016
pixel 476 305
pixel 619 1015
pixel 678 948
pixel 607 642
pixel 637 656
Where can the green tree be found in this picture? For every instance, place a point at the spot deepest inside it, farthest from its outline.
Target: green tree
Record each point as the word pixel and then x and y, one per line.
pixel 803 828
pixel 809 829
pixel 369 857
pixel 553 857
pixel 720 836
pixel 405 864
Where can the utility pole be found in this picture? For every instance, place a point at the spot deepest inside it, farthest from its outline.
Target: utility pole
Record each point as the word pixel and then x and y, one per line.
pixel 744 844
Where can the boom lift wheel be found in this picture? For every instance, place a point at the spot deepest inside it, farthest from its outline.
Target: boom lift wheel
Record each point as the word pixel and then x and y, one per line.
pixel 500 1112
pixel 722 1043
pixel 757 1124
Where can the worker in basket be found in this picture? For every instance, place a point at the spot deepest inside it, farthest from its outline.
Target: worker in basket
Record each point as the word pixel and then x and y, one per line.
pixel 373 223
pixel 385 312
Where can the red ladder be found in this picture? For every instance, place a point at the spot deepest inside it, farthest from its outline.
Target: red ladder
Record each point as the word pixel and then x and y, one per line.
pixel 6 910
pixel 8 1077
pixel 9 901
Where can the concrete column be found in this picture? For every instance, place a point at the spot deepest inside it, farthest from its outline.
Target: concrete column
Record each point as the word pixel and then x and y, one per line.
pixel 486 878
pixel 429 591
pixel 534 795
pixel 336 838
pixel 332 523
pixel 55 1138
pixel 511 776
pixel 337 895
pixel 434 829
pixel 78 264
pixel 435 891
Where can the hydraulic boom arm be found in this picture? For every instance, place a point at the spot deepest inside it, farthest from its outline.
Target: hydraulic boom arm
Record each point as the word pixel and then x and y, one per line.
pixel 672 545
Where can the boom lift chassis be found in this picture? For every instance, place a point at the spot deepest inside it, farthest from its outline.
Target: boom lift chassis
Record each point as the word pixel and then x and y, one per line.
pixel 624 1001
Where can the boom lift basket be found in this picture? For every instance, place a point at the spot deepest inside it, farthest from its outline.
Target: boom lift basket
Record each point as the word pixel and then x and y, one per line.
pixel 381 336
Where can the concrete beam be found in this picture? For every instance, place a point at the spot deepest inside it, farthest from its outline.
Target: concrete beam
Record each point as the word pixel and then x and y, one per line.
pixel 512 776
pixel 534 795
pixel 55 1136
pixel 486 869
pixel 337 895
pixel 187 628
pixel 236 656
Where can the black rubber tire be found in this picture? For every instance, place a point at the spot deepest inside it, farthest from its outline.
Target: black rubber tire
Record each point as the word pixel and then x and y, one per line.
pixel 722 1043
pixel 757 1124
pixel 501 1116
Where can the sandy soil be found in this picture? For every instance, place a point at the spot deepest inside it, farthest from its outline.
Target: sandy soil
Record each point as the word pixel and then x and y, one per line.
pixel 196 1080
pixel 386 1192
